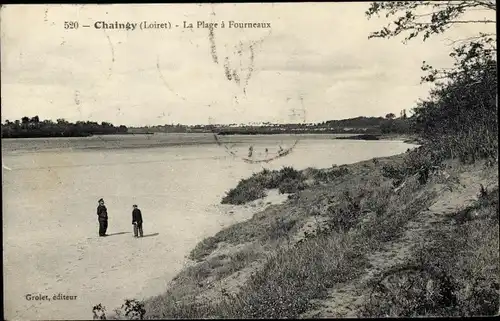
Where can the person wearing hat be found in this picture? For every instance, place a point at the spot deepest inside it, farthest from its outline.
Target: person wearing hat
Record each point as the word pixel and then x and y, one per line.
pixel 102 216
pixel 137 221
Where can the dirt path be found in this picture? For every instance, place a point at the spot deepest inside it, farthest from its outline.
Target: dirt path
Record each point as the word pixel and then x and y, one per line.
pixel 345 300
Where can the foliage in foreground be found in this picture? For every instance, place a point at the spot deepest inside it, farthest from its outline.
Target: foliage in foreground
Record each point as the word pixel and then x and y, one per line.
pixel 131 309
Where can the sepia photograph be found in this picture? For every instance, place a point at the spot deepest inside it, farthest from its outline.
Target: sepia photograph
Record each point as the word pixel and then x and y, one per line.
pixel 249 160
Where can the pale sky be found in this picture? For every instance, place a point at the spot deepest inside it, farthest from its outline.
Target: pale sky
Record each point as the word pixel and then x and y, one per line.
pixel 315 62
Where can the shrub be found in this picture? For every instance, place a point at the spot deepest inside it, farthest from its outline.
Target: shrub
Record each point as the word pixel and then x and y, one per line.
pixel 396 173
pixel 345 214
pixel 132 309
pixel 327 175
pixel 290 173
pixel 99 312
pixel 280 227
pixel 320 175
pixel 420 162
pixel 270 179
pixel 289 186
pixel 247 190
pixel 378 199
pixel 338 171
pixel 287 180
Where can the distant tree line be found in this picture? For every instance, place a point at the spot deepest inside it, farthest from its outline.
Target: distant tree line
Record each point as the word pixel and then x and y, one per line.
pixel 361 125
pixel 28 127
pixel 32 127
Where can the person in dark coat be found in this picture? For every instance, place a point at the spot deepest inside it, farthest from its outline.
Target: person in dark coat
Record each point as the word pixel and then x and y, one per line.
pixel 102 216
pixel 137 221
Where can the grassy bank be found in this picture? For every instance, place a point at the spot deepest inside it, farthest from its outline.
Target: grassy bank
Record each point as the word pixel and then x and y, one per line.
pixel 284 260
pixel 289 257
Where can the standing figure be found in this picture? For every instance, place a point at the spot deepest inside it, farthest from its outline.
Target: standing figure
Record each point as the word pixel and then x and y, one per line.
pixel 137 221
pixel 250 151
pixel 102 215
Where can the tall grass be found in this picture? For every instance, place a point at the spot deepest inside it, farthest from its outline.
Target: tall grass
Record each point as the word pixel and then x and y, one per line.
pixel 293 275
pixel 469 145
pixel 283 287
pixel 291 278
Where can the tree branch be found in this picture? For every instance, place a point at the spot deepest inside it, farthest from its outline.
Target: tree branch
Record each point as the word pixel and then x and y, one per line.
pixel 472 21
pixel 452 42
pixel 488 4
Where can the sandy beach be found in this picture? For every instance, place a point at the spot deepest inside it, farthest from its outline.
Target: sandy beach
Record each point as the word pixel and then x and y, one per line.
pixel 108 270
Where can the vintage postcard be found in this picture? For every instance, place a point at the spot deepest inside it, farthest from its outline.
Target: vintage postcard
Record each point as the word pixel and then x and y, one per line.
pixel 249 160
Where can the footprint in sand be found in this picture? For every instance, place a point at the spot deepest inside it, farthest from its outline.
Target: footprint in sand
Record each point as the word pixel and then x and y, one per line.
pixel 81 248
